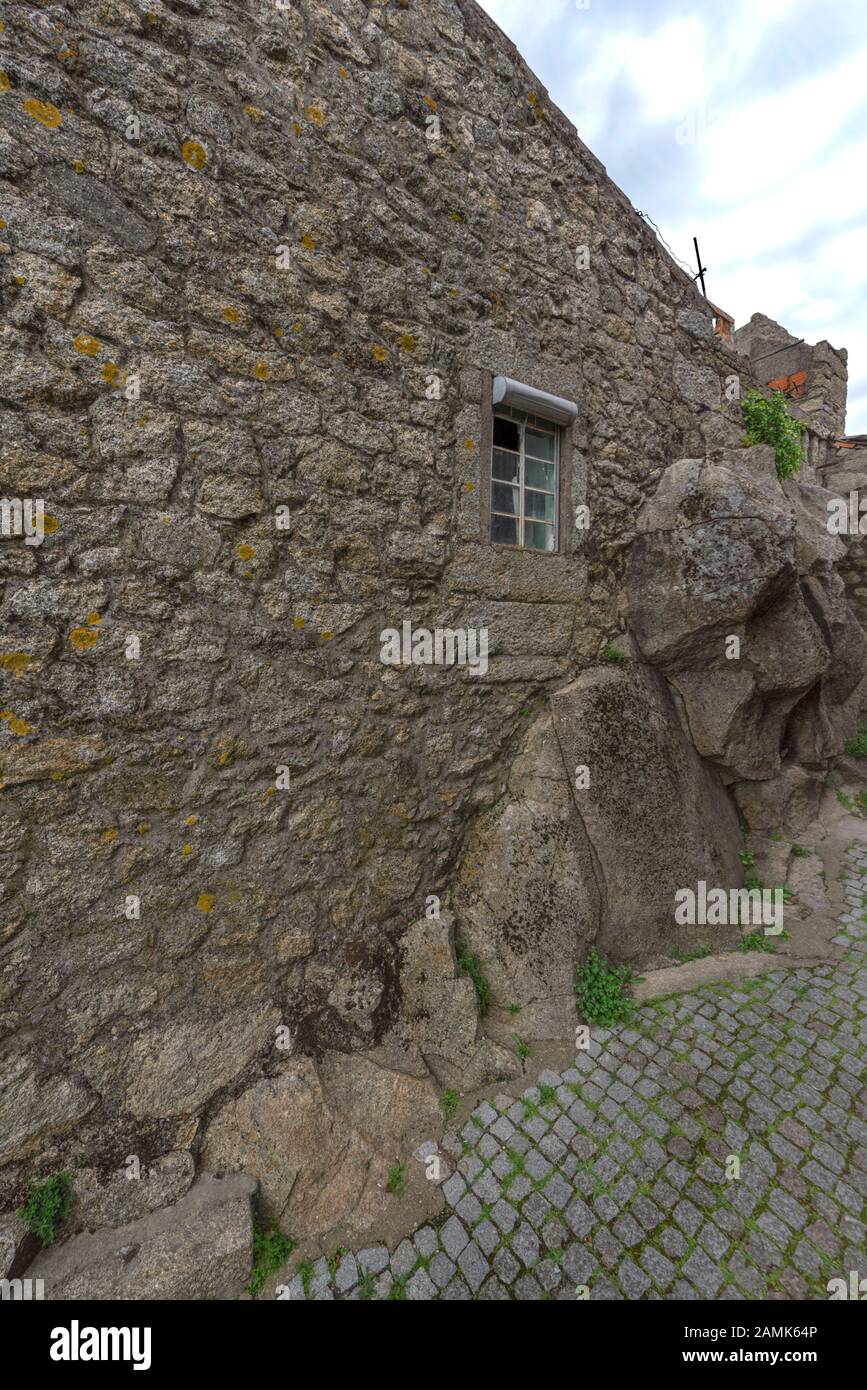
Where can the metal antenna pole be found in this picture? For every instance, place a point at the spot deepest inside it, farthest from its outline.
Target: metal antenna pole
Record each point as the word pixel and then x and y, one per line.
pixel 701 268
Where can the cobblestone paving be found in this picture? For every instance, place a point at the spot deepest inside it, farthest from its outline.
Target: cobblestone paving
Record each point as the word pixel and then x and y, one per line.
pixel 612 1175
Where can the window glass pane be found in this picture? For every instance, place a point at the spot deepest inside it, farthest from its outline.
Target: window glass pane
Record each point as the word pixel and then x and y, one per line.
pixel 538 536
pixel 541 475
pixel 505 499
pixel 539 445
pixel 505 466
pixel 506 434
pixel 539 504
pixel 504 530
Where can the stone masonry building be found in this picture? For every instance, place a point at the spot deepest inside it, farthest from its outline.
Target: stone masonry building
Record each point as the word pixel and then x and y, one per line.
pixel 320 319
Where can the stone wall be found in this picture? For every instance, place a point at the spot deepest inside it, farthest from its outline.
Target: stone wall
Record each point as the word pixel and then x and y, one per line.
pixel 261 263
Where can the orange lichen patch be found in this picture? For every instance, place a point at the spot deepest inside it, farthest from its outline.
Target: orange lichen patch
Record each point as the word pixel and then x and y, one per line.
pixel 261 371
pixel 298 622
pixel 314 114
pixel 326 636
pixel 307 242
pixel 43 112
pixel 469 444
pixel 111 373
pixel 195 154
pixel 16 725
pixel 407 342
pixel 246 552
pixel 429 101
pixel 254 113
pixel 86 345
pixel 205 903
pixel 5 84
pixel 231 314
pixel 380 354
pixel 15 661
pixel 471 487
pixel 186 849
pixel 51 524
pixel 344 74
pixel 83 638
pixel 109 836
pixel 191 820
pixel 94 619
pixel 79 166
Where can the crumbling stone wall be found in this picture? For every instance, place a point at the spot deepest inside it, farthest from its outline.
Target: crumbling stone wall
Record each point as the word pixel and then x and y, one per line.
pixel 258 263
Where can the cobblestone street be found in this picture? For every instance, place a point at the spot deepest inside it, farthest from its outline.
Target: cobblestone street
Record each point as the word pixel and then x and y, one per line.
pixel 617 1176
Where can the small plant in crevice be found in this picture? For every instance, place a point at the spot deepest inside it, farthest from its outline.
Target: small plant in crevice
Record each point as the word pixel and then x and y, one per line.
pixel 757 941
pixel 747 858
pixel 601 991
pixel 366 1286
pixel 271 1249
pixel 612 653
pixel 396 1175
pixel 769 422
pixel 522 1048
pixel 857 747
pixel 697 953
pixel 48 1204
pixel 471 966
pixel 449 1102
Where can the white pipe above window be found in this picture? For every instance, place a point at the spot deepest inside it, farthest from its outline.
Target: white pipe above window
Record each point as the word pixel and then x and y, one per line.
pixel 533 401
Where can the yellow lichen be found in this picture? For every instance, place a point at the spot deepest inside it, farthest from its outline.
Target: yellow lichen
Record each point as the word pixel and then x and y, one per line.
pixel 51 524
pixel 296 127
pixel 471 487
pixel 205 903
pixel 2 224
pixel 16 725
pixel 94 619
pixel 5 84
pixel 43 112
pixel 469 444
pixel 344 74
pixel 79 166
pixel 191 820
pixel 15 661
pixel 82 638
pixel 110 373
pixel 429 101
pixel 232 315
pixel 261 371
pixel 296 327
pixel 307 242
pixel 195 154
pixel 246 552
pixel 298 622
pixel 143 827
pixel 86 345
pixel 187 849
pixel 109 836
pixel 407 342
pixel 326 636
pixel 314 114
pixel 380 354
pixel 254 113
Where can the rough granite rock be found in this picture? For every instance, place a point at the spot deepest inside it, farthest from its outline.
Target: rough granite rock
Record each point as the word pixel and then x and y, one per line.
pixel 199 1248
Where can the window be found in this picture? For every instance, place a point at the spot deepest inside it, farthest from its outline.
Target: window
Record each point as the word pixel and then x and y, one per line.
pixel 525 460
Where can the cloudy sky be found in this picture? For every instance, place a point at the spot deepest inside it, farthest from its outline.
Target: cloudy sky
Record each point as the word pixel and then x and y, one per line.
pixel 743 122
